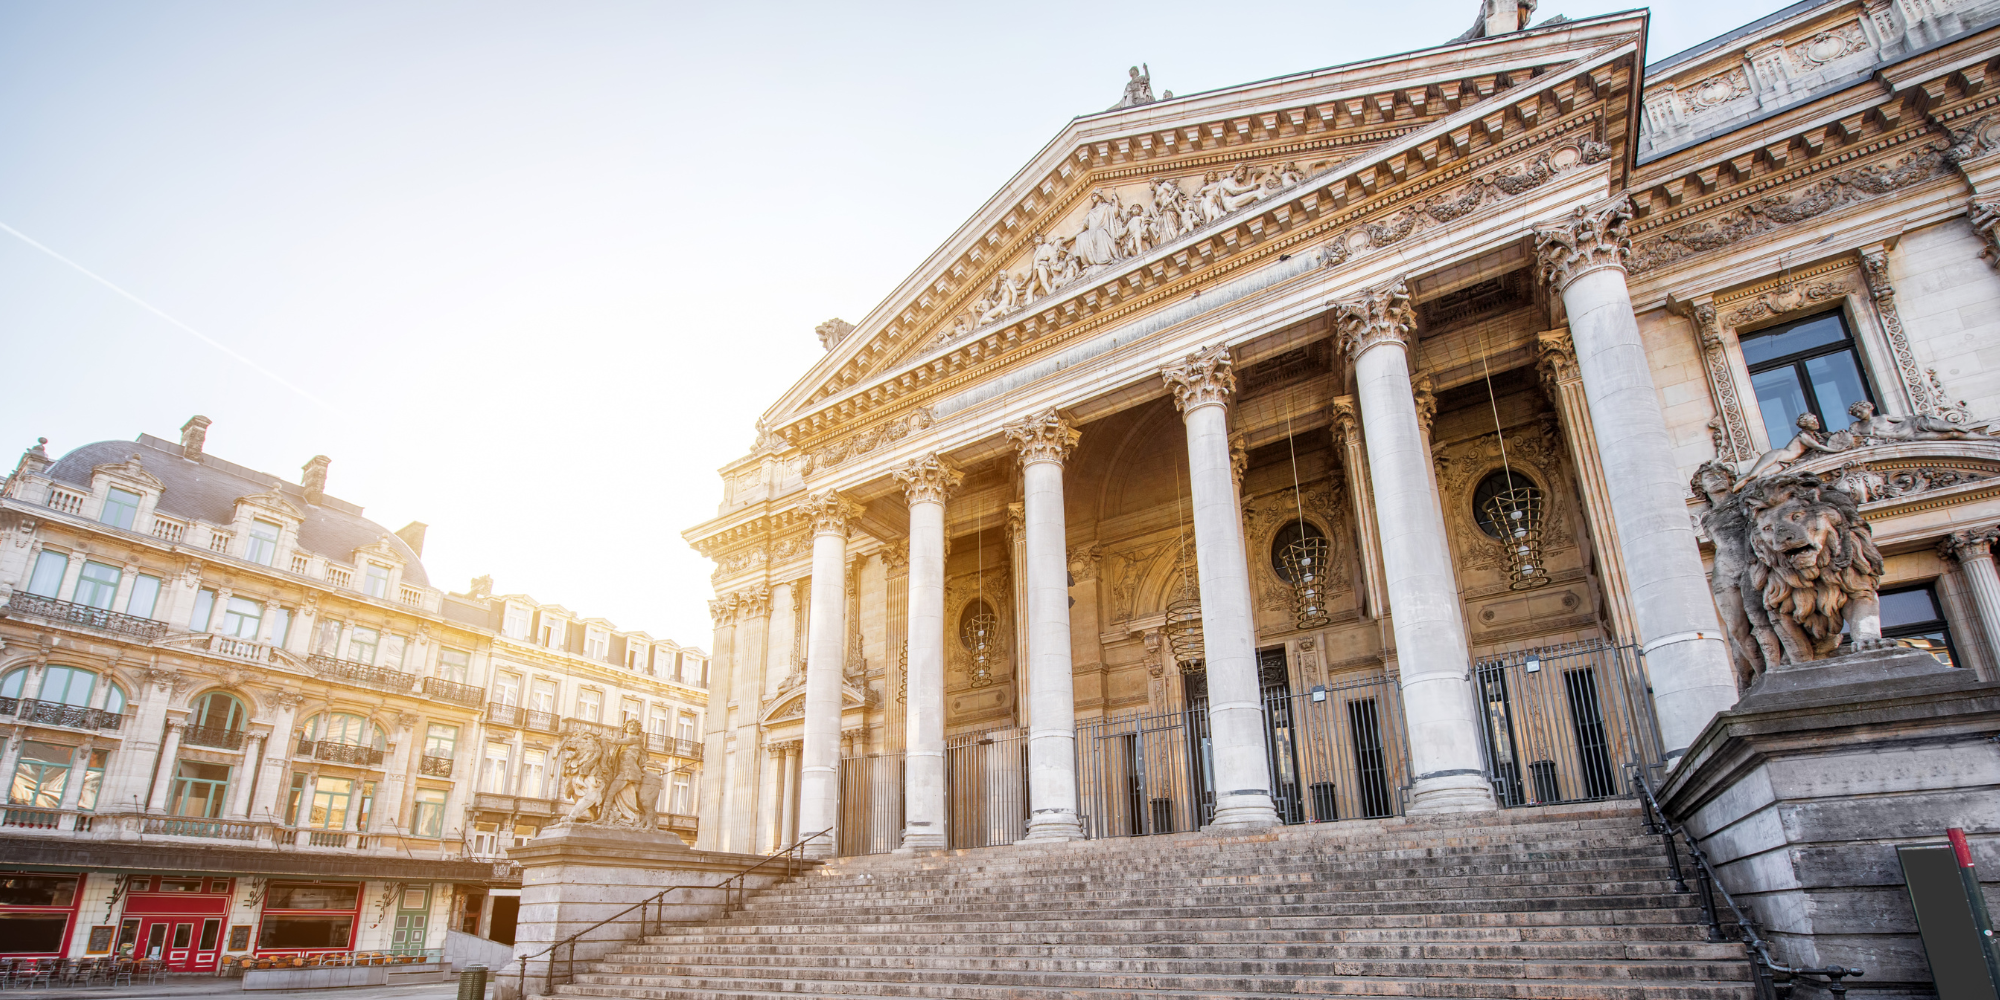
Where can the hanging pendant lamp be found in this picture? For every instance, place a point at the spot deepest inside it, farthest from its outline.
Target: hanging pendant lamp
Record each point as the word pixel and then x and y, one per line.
pixel 1515 512
pixel 1306 558
pixel 978 631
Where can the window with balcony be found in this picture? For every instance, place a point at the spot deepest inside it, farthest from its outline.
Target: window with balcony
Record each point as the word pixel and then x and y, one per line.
pixel 240 618
pixel 657 725
pixel 441 741
pixel 1805 366
pixel 346 728
pixel 40 774
pixel 263 544
pixel 68 686
pixel 204 609
pixel 454 664
pixel 121 508
pixel 332 798
pixel 507 688
pixel 200 790
pixel 218 719
pixel 590 705
pixel 493 771
pixel 542 697
pixel 93 780
pixel 97 585
pixel 363 644
pixel 681 799
pixel 375 580
pixel 686 728
pixel 294 796
pixel 47 579
pixel 631 710
pixel 534 774
pixel 281 626
pixel 429 818
pixel 145 596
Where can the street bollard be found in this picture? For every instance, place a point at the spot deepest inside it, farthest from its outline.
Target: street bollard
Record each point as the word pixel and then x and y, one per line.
pixel 472 983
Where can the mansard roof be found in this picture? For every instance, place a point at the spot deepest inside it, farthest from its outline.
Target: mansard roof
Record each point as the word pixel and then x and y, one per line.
pixel 208 490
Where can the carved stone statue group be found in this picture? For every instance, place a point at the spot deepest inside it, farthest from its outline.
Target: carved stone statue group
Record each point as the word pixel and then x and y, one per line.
pixel 1113 231
pixel 607 780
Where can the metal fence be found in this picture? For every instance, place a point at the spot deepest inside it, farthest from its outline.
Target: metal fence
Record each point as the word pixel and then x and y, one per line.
pixel 871 804
pixel 986 787
pixel 1561 722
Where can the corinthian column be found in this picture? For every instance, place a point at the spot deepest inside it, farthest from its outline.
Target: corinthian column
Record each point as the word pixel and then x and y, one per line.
pixel 1346 427
pixel 1202 386
pixel 1973 548
pixel 826 641
pixel 1556 362
pixel 1044 442
pixel 1431 652
pixel 1686 657
pixel 927 481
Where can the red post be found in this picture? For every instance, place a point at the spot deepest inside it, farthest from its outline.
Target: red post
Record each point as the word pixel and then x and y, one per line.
pixel 1976 900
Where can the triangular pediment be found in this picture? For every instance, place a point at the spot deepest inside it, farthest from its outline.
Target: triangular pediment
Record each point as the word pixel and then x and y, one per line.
pixel 1127 200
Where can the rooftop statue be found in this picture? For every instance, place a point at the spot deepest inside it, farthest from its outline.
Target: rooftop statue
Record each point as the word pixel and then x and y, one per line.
pixel 1138 89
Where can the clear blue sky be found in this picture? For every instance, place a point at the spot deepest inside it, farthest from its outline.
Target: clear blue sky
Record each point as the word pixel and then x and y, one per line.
pixel 528 272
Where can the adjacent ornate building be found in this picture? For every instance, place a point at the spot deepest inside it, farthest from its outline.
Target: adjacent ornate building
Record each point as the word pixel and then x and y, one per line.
pixel 1321 447
pixel 240 719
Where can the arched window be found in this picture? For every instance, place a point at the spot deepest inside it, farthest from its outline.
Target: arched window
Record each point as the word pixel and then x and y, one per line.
pixel 10 684
pixel 347 728
pixel 1492 486
pixel 68 686
pixel 1283 540
pixel 222 711
pixel 114 698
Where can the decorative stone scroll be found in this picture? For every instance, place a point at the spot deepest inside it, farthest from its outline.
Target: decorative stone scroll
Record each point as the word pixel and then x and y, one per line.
pixel 1594 237
pixel 829 513
pixel 929 479
pixel 1206 377
pixel 1383 314
pixel 1047 436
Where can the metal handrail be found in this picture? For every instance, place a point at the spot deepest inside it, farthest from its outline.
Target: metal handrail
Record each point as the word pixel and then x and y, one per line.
pixel 735 889
pixel 1753 943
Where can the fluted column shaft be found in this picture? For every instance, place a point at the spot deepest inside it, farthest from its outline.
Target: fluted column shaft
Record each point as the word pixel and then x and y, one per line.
pixel 1202 386
pixel 1044 442
pixel 1974 551
pixel 826 640
pixel 926 483
pixel 1448 769
pixel 163 775
pixel 1687 657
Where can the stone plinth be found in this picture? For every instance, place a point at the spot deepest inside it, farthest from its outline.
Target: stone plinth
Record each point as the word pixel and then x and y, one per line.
pixel 1802 792
pixel 575 875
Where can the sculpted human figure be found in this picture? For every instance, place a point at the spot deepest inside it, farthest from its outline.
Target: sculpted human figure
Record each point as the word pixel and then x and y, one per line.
pixel 1097 244
pixel 1004 298
pixel 1137 235
pixel 1046 266
pixel 1209 196
pixel 1871 429
pixel 1138 88
pixel 1807 441
pixel 627 754
pixel 1240 188
pixel 1165 222
pixel 1753 645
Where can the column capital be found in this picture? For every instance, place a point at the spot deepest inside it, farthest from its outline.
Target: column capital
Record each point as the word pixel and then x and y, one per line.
pixel 1555 359
pixel 1423 392
pixel 1047 436
pixel 1343 419
pixel 829 512
pixel 1593 237
pixel 1985 217
pixel 1380 315
pixel 1205 377
pixel 928 479
pixel 1968 544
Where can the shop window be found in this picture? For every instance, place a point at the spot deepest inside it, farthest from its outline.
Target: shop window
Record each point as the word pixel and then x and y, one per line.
pixel 200 790
pixel 34 933
pixel 1912 617
pixel 37 890
pixel 312 896
pixel 211 934
pixel 303 932
pixel 40 774
pixel 180 885
pixel 1805 366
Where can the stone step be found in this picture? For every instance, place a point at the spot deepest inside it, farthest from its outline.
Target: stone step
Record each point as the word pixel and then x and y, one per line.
pixel 1644 856
pixel 1306 882
pixel 1071 934
pixel 627 960
pixel 1569 988
pixel 1043 911
pixel 1684 916
pixel 1187 971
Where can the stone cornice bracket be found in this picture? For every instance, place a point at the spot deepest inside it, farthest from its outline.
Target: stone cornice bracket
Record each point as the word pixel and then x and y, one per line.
pixel 929 479
pixel 1047 436
pixel 1593 237
pixel 1968 544
pixel 1343 419
pixel 1207 377
pixel 1380 315
pixel 1985 216
pixel 829 513
pixel 1423 390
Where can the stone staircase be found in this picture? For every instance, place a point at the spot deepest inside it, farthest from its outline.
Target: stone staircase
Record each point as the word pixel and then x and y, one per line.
pixel 1560 902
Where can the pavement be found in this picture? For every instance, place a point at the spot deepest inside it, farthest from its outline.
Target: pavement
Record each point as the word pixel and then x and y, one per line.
pixel 179 987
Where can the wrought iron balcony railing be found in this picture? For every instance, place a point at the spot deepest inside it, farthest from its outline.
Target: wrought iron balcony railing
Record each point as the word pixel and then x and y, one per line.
pixel 340 753
pixel 381 678
pixel 54 713
pixel 101 619
pixel 454 692
pixel 435 767
pixel 210 828
pixel 213 736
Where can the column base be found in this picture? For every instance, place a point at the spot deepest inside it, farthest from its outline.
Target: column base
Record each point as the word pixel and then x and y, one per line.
pixel 1451 793
pixel 1245 814
pixel 920 840
pixel 818 850
pixel 1053 827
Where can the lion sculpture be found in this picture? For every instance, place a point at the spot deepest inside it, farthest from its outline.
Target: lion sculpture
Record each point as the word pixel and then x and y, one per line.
pixel 1796 567
pixel 607 780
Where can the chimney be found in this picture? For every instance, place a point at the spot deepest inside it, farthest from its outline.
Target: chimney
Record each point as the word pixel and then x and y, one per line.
pixel 1504 16
pixel 314 479
pixel 412 535
pixel 193 434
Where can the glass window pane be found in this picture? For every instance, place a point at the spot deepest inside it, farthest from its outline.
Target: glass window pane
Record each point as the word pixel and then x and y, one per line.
pixel 145 596
pixel 1909 607
pixel 97 585
pixel 10 685
pixel 242 617
pixel 1777 342
pixel 68 685
pixel 114 699
pixel 1782 399
pixel 361 645
pixel 1936 642
pixel 204 609
pixel 120 507
pixel 281 625
pixel 49 570
pixel 1836 382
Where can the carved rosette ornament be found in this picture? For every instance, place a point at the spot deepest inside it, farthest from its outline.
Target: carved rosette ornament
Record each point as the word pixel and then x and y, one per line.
pixel 1045 437
pixel 1379 315
pixel 929 479
pixel 1206 378
pixel 1593 237
pixel 829 512
pixel 1968 544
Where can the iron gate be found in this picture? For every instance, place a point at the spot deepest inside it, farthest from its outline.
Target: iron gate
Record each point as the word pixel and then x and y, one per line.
pixel 871 804
pixel 1561 722
pixel 986 787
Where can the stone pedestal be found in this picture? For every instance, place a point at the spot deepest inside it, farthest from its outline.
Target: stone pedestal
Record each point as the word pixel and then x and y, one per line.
pixel 1802 792
pixel 576 875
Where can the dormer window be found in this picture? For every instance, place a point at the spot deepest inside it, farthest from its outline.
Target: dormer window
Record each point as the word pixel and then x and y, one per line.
pixel 515 625
pixel 596 645
pixel 555 633
pixel 121 508
pixel 263 546
pixel 375 580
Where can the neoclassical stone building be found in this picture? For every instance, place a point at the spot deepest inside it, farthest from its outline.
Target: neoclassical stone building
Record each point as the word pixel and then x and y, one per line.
pixel 1321 447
